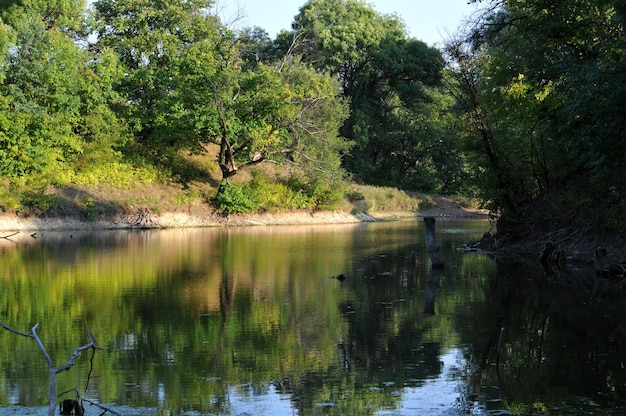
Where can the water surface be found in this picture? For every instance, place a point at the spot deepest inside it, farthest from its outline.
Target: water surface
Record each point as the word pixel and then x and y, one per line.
pixel 302 320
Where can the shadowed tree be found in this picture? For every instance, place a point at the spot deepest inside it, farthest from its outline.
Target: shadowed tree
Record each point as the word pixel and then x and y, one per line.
pixel 538 82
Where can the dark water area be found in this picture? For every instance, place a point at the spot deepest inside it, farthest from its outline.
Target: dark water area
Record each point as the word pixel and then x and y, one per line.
pixel 303 320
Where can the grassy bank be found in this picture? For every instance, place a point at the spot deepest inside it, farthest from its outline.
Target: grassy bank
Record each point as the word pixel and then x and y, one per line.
pixel 176 205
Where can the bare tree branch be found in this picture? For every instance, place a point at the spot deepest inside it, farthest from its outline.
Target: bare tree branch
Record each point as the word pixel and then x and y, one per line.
pixel 15 331
pixel 289 54
pixel 76 353
pixel 52 370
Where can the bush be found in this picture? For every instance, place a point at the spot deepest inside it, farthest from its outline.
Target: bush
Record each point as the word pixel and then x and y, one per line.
pixel 326 194
pixel 9 199
pixel 274 195
pixel 232 199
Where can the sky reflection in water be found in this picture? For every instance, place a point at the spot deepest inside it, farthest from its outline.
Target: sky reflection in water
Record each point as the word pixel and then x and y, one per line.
pixel 309 320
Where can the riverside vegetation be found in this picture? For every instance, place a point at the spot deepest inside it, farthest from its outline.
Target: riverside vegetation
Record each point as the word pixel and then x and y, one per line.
pixel 142 106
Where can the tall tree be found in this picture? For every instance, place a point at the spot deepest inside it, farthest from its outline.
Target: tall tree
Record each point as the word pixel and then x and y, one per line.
pixel 158 42
pixel 56 95
pixel 539 82
pixel 383 74
pixel 188 83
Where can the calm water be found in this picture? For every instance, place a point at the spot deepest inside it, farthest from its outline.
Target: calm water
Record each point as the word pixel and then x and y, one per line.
pixel 302 320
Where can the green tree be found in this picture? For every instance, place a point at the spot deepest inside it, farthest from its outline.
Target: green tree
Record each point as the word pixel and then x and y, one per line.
pixel 55 94
pixel 159 43
pixel 67 16
pixel 539 82
pixel 384 75
pixel 191 81
pixel 254 46
pixel 291 115
pixel 315 120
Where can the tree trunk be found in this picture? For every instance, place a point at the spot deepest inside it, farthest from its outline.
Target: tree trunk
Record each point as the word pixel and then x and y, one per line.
pixel 434 249
pixel 433 286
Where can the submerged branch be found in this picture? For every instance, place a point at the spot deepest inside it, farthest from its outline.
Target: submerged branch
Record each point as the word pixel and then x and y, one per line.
pixel 52 370
pixel 15 331
pixel 101 407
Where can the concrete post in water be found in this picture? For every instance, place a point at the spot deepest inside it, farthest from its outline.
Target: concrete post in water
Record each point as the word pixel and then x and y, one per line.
pixel 434 249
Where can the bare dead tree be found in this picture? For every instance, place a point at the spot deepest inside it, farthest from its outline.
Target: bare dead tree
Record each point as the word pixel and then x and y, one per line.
pixel 52 369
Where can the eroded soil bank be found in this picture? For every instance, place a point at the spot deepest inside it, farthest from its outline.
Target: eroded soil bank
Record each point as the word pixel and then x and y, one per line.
pixel 597 262
pixel 143 218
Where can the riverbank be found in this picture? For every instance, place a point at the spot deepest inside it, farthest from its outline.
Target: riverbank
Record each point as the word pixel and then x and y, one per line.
pixel 441 207
pixel 602 255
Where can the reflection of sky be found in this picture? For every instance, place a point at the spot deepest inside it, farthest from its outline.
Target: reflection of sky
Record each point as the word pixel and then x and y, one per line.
pixel 244 402
pixel 437 396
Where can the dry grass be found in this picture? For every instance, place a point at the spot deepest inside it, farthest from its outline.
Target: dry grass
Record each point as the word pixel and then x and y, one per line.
pixel 371 199
pixel 197 180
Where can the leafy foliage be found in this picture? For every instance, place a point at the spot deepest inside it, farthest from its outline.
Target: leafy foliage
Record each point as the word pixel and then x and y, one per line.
pixel 56 98
pixel 265 193
pixel 538 83
pixel 191 81
pixel 525 115
pixel 232 199
pixel 387 79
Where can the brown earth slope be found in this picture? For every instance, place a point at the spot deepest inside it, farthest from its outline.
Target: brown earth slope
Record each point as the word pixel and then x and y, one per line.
pixel 199 215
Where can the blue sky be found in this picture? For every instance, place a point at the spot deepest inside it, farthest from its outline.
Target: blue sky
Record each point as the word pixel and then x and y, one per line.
pixel 427 20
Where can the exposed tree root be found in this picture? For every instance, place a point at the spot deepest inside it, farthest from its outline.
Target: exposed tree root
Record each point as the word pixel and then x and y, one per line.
pixel 143 219
pixel 594 262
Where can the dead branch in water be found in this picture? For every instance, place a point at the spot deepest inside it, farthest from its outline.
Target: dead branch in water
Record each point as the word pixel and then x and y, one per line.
pixel 52 369
pixel 101 407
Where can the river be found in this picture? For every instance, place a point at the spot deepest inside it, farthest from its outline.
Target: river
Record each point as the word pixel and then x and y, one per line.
pixel 302 320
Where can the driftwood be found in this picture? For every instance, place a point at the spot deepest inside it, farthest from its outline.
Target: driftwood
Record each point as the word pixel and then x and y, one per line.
pixel 52 370
pixel 434 250
pixel 144 218
pixel 552 256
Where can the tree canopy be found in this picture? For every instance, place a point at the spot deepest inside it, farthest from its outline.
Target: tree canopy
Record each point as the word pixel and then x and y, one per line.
pixel 56 98
pixel 389 80
pixel 521 107
pixel 539 83
pixel 188 85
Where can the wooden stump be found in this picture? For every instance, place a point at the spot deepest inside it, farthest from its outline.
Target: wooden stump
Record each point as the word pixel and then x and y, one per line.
pixel 434 249
pixel 433 286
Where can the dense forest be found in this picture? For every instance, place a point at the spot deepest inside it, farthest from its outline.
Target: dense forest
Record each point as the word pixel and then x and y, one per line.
pixel 522 107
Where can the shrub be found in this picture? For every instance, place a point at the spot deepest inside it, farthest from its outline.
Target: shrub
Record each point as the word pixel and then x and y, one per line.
pixel 275 195
pixel 326 194
pixel 231 199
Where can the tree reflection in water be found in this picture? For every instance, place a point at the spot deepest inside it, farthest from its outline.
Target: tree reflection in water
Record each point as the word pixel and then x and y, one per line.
pixel 561 349
pixel 227 321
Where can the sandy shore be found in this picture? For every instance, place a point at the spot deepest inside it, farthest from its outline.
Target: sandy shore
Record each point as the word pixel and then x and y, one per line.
pixel 143 219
